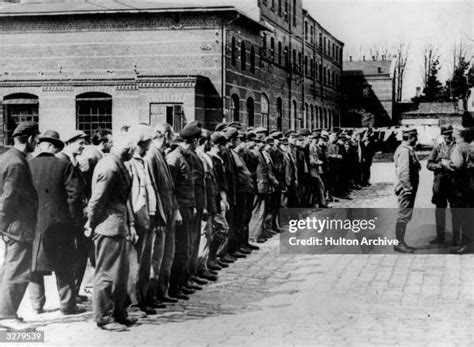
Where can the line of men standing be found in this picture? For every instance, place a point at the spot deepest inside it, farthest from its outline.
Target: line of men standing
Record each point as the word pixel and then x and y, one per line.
pixel 156 214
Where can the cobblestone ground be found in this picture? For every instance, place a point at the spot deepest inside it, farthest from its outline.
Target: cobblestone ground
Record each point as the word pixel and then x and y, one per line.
pixel 270 299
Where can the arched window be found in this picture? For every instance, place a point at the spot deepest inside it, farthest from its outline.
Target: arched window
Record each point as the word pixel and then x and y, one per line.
pixel 93 111
pixel 233 53
pixel 252 59
pixel 250 112
pixel 325 119
pixel 18 108
pixel 313 122
pixel 272 49
pixel 279 8
pixel 243 56
pixel 311 68
pixel 265 112
pixel 306 31
pixel 279 113
pixel 316 111
pixel 235 108
pixel 264 45
pixel 325 75
pixel 293 115
pixel 279 53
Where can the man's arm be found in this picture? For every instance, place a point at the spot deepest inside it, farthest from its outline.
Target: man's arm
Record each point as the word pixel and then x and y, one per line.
pixel 11 192
pixel 403 169
pixel 433 164
pixel 103 184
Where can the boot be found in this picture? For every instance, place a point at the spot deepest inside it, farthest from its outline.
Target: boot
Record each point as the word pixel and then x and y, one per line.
pixel 440 216
pixel 402 247
pixel 456 239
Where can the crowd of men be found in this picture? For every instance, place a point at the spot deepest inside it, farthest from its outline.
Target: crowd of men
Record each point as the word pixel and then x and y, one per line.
pixel 452 162
pixel 156 213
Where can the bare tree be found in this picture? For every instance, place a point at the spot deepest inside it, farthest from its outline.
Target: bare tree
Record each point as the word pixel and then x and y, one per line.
pixel 400 67
pixel 430 58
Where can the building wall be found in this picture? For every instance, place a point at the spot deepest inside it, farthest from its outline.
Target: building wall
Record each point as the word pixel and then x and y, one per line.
pixel 139 59
pixel 62 57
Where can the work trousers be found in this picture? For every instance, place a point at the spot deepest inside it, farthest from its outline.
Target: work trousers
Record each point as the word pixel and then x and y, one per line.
pixel 110 279
pixel 14 276
pixel 258 217
pixel 66 290
pixel 140 266
pixel 179 275
pixel 162 260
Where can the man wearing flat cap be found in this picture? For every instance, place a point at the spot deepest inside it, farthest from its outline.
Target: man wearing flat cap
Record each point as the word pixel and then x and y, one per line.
pixel 443 189
pixel 18 216
pixel 75 143
pixel 407 168
pixel 60 217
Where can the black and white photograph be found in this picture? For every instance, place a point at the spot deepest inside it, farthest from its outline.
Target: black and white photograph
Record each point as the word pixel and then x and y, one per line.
pixel 236 173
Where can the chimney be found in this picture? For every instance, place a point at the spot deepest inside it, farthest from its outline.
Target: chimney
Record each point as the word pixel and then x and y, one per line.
pixel 383 57
pixel 418 92
pixel 350 58
pixel 373 57
pixel 363 58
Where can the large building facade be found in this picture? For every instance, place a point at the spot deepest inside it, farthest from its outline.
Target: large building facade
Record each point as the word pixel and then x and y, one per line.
pixel 82 65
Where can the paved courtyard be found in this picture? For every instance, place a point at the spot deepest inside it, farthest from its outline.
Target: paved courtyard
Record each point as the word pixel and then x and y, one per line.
pixel 271 299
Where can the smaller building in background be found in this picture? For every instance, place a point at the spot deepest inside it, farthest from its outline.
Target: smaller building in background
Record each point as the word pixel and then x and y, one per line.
pixel 368 93
pixel 430 116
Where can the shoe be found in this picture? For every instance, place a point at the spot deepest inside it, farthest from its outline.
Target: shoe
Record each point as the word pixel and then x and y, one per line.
pixel 180 295
pixel 462 250
pixel 199 281
pixel 148 310
pixel 167 298
pixel 156 304
pixel 16 324
pixel 213 272
pixel 128 321
pixel 222 264
pixel 207 275
pixel 403 248
pixel 437 241
pixel 194 286
pixel 75 310
pixel 117 327
pixel 187 291
pixel 228 259
pixel 252 247
pixel 212 265
pixel 136 313
pixel 244 250
pixel 237 254
pixel 456 241
pixel 262 240
pixel 81 298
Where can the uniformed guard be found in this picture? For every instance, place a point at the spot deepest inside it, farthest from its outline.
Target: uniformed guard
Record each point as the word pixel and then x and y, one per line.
pixel 443 185
pixel 462 162
pixel 407 167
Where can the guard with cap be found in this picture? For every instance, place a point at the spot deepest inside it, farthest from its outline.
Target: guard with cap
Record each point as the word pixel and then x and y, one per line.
pixel 60 219
pixel 443 189
pixel 407 168
pixel 18 216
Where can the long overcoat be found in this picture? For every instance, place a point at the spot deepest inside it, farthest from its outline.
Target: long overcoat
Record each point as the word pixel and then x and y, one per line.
pixel 60 207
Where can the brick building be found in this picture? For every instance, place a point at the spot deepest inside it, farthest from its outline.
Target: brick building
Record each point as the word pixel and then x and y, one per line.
pixel 368 89
pixel 76 64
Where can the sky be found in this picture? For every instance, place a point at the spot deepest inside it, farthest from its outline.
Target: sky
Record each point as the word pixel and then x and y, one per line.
pixel 363 24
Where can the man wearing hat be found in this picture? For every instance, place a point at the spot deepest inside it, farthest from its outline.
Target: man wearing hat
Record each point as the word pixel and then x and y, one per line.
pixel 75 143
pixel 407 168
pixel 278 159
pixel 443 189
pixel 18 216
pixel 60 218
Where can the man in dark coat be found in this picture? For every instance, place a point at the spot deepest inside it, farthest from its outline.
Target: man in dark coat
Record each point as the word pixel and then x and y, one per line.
pixel 18 213
pixel 164 247
pixel 59 218
pixel 111 223
pixel 443 187
pixel 84 248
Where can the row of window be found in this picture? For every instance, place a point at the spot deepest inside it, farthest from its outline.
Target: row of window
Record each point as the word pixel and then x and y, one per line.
pixel 313 116
pixel 311 69
pixel 93 111
pixel 283 9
